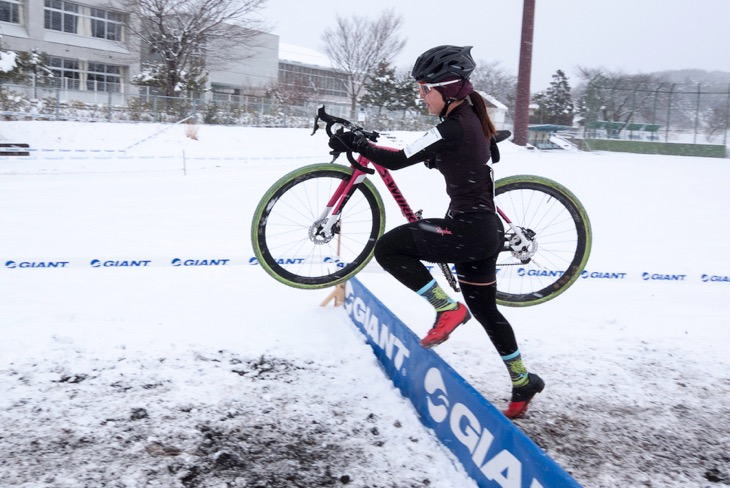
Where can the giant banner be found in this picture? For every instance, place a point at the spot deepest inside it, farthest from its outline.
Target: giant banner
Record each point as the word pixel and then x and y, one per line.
pixel 494 452
pixel 144 260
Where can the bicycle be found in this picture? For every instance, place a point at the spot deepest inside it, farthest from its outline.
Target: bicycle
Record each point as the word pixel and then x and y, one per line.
pixel 317 226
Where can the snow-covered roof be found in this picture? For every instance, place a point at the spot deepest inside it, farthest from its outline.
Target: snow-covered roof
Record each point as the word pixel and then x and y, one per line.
pixel 303 55
pixel 493 101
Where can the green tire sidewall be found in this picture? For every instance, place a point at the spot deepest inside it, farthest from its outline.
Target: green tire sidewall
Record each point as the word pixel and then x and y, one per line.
pixel 286 180
pixel 582 215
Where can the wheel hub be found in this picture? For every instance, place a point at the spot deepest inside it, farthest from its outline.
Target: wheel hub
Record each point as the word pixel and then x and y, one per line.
pixel 316 232
pixel 524 251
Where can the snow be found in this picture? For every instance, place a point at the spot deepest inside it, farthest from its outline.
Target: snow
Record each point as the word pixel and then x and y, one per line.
pixel 217 376
pixel 303 55
pixel 7 61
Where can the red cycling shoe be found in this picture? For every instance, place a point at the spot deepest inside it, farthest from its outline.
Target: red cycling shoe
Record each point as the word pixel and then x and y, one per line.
pixel 522 396
pixel 446 322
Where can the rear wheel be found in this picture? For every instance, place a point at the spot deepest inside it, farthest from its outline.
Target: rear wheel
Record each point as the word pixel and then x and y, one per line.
pixel 558 234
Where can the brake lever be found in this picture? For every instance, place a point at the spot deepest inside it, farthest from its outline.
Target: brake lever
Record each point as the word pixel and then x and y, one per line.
pixel 335 155
pixel 321 114
pixel 316 125
pixel 331 120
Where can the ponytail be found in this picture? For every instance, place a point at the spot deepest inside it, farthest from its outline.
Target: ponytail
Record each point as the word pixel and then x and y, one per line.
pixel 481 109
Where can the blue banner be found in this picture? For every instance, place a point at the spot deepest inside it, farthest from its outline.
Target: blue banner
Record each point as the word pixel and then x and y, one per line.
pixel 494 452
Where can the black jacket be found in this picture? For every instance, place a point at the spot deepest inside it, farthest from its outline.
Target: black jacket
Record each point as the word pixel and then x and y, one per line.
pixel 458 149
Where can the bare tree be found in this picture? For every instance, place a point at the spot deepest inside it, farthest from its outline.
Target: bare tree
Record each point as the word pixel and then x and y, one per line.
pixel 358 45
pixel 184 37
pixel 497 81
pixel 616 96
pixel 717 121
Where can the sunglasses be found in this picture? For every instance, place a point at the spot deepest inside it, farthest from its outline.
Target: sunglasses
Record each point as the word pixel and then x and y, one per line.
pixel 425 88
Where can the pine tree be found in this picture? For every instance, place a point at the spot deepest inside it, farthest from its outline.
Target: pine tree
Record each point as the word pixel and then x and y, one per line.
pixel 556 103
pixel 406 94
pixel 381 89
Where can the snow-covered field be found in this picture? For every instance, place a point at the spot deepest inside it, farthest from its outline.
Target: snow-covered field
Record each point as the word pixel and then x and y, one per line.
pixel 215 376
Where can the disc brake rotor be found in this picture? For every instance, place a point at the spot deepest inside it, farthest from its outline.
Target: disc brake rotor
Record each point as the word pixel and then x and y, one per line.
pixel 525 252
pixel 317 236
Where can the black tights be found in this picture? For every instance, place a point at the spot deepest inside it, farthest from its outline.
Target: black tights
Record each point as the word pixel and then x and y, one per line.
pixel 473 242
pixel 482 303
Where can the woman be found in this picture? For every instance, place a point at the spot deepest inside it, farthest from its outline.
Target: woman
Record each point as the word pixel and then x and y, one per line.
pixel 471 234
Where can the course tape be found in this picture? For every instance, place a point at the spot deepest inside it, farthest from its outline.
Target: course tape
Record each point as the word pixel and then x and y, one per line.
pixel 111 262
pixel 122 155
pixel 18 263
pixel 493 451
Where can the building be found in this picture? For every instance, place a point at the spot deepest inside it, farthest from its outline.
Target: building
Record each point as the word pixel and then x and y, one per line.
pixel 86 45
pixel 311 76
pixel 496 109
pixel 251 73
pixel 93 57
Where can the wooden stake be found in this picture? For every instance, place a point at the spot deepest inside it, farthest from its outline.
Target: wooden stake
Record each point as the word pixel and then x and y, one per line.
pixel 338 294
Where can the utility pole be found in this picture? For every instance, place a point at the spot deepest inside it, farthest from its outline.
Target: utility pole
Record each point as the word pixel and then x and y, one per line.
pixel 522 103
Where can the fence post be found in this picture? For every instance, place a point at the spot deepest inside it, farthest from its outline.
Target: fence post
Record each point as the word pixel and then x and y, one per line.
pixel 58 103
pixel 656 100
pixel 727 118
pixel 669 111
pixel 697 112
pixel 109 116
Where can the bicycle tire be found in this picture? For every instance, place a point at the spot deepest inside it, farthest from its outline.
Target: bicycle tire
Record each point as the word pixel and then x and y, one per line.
pixel 283 230
pixel 561 244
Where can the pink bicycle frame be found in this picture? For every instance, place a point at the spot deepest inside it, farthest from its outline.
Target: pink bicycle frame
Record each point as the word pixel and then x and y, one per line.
pixel 346 188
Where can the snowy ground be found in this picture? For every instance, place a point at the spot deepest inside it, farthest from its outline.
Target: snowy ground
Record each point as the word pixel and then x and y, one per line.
pixel 218 376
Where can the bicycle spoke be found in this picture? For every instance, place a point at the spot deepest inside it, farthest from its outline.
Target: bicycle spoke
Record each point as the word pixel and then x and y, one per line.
pixel 558 236
pixel 292 242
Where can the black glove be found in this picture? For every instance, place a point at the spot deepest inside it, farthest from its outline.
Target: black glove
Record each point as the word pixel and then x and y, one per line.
pixel 347 141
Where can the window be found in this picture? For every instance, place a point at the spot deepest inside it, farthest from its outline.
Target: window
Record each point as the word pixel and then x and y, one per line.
pixel 72 74
pixel 66 73
pixel 313 80
pixel 73 18
pixel 62 16
pixel 10 11
pixel 104 77
pixel 106 24
pixel 225 93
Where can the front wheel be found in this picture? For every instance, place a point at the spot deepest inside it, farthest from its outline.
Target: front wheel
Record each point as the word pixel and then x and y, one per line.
pixel 287 235
pixel 558 240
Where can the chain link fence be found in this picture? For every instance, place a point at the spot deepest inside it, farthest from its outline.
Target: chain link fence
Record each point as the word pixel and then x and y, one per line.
pixel 661 112
pixel 615 116
pixel 26 102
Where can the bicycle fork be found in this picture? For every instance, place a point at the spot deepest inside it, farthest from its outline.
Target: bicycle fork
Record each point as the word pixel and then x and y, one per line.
pixel 331 214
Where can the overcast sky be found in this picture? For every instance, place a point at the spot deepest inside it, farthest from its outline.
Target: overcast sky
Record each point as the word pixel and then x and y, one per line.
pixel 633 36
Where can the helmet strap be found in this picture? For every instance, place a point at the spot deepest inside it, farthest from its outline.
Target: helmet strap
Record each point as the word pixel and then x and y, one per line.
pixel 450 100
pixel 447 104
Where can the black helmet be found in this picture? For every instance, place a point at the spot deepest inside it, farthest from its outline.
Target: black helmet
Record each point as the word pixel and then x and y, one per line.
pixel 442 62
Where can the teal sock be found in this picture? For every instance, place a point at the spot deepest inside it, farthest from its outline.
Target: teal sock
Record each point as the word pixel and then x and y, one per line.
pixel 437 297
pixel 517 370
